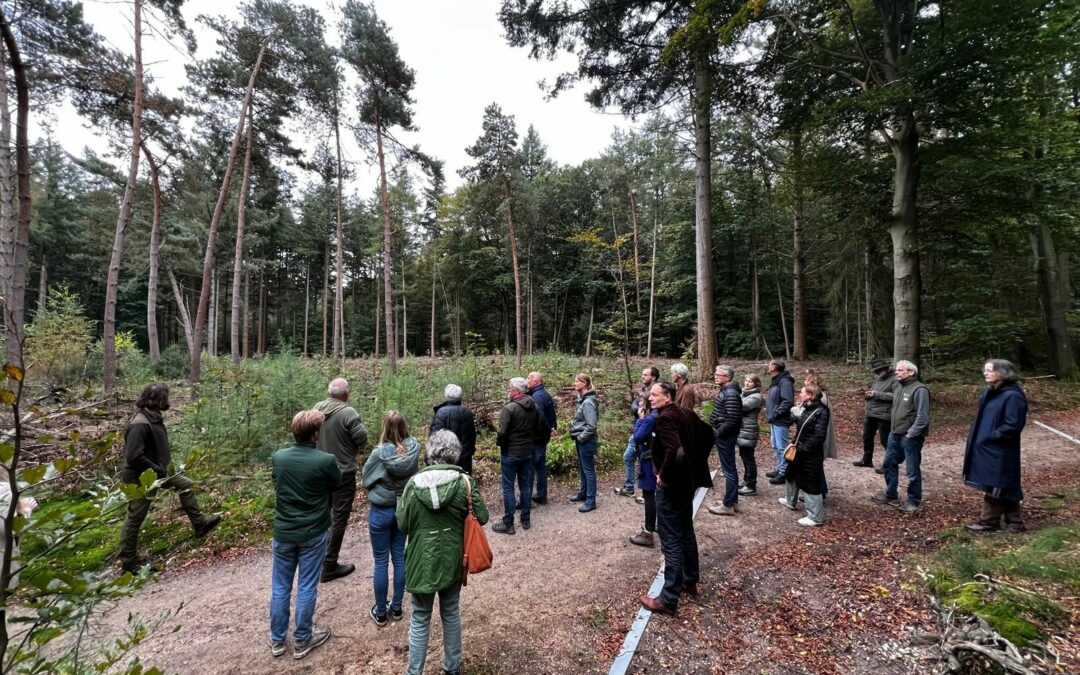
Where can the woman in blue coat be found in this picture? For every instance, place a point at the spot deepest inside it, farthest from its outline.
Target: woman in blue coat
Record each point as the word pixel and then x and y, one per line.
pixel 643 437
pixel 992 458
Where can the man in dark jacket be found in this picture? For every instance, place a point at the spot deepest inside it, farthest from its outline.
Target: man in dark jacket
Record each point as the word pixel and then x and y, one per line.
pixel 518 423
pixel 305 480
pixel 680 455
pixel 453 416
pixel 879 398
pixel 544 431
pixel 146 448
pixel 344 436
pixel 910 424
pixel 726 421
pixel 778 403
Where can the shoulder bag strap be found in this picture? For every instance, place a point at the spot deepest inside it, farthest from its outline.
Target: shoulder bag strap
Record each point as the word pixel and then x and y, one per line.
pixel 468 491
pixel 808 418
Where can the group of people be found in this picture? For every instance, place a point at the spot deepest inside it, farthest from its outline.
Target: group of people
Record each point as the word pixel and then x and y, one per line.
pixel 416 515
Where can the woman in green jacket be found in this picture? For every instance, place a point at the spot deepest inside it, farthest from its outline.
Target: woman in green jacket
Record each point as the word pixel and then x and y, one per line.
pixel 432 513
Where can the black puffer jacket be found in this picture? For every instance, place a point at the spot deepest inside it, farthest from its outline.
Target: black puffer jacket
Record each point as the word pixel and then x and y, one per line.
pixel 750 430
pixel 726 417
pixel 146 446
pixel 812 428
pixel 453 416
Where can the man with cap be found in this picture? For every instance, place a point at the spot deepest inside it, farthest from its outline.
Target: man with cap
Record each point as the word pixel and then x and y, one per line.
pixel 879 399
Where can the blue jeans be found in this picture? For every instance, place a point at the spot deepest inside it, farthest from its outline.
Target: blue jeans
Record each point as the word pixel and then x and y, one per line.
pixel 387 543
pixel 910 449
pixel 516 469
pixel 308 556
pixel 780 436
pixel 420 628
pixel 629 458
pixel 539 461
pixel 725 447
pixel 586 458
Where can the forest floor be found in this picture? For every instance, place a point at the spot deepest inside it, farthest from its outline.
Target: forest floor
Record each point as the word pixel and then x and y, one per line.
pixel 776 597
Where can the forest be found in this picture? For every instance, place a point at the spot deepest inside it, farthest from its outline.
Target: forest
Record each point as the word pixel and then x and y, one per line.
pixel 812 180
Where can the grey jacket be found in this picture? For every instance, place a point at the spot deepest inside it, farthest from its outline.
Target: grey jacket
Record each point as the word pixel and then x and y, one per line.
pixel 750 430
pixel 386 473
pixel 343 434
pixel 586 417
pixel 879 407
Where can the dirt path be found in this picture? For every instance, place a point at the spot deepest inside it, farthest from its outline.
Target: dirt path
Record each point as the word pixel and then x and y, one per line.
pixel 562 595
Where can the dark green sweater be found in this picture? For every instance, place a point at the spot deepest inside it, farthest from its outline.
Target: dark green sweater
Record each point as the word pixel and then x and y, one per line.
pixel 304 478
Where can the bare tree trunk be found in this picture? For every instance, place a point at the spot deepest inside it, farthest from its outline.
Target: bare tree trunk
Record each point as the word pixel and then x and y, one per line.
pixel 185 316
pixel 219 209
pixel 112 283
pixel 529 278
pixel 434 263
pixel 238 254
pixel 339 265
pixel 903 228
pixel 307 308
pixel 1054 301
pixel 260 346
pixel 326 299
pixel 247 312
pixel 637 256
pixel 43 284
pixel 378 311
pixel 388 266
pixel 7 185
pixel 212 318
pixel 155 245
pixel 517 273
pixel 588 338
pixel 404 314
pixel 783 321
pixel 652 288
pixel 798 274
pixel 457 324
pixel 702 103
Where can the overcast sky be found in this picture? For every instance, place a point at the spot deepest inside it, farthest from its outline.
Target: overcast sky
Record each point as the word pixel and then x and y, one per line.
pixel 462 64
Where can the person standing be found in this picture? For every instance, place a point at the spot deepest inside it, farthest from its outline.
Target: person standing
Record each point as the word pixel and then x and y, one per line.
pixel 518 425
pixel 386 471
pixel 679 472
pixel 878 417
pixel 910 423
pixel 432 513
pixel 146 447
pixel 548 425
pixel 749 433
pixel 344 436
pixel 992 456
pixel 685 393
pixel 726 420
pixel 583 432
pixel 305 479
pixel 778 403
pixel 806 472
pixel 454 416
pixel 643 439
pixel 648 377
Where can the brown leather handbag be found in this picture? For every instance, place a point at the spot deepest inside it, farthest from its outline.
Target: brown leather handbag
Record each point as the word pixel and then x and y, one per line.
pixel 790 450
pixel 477 556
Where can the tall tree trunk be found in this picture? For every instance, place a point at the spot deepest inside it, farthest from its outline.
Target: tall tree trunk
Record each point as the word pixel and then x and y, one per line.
pixel 637 255
pixel 517 272
pixel 43 284
pixel 155 245
pixel 219 209
pixel 702 103
pixel 378 311
pixel 7 185
pixel 185 316
pixel 326 299
pixel 112 282
pixel 652 289
pixel 339 264
pixel 798 274
pixel 588 337
pixel 783 320
pixel 260 343
pixel 247 313
pixel 1054 301
pixel 212 317
pixel 903 229
pixel 531 325
pixel 388 260
pixel 431 350
pixel 307 307
pixel 238 253
pixel 404 313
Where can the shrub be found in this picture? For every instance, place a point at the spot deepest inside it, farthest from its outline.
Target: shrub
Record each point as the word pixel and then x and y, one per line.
pixel 58 339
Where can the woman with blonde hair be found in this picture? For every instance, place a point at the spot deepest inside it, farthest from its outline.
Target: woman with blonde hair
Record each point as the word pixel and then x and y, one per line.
pixel 386 471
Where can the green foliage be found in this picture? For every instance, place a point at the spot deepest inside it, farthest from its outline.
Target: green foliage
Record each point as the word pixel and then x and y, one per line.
pixel 59 338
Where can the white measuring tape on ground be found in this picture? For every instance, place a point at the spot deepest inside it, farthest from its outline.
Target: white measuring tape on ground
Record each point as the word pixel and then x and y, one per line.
pixel 1055 431
pixel 637 629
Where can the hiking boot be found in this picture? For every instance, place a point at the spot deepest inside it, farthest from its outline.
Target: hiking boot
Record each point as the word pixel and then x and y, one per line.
pixel 587 506
pixel 336 571
pixel 379 619
pixel 539 501
pixel 806 521
pixel 135 565
pixel 690 589
pixel 526 523
pixel 655 606
pixel 880 471
pixel 911 509
pixel 1013 528
pixel 721 510
pixel 396 614
pixel 639 500
pixel 778 480
pixel 502 528
pixel 318 637
pixel 643 538
pixel 785 502
pixel 882 498
pixel 981 527
pixel 208 525
pixel 748 491
pixel 624 492
pixel 276 648
pixel 578 498
pixel 772 474
pixel 863 463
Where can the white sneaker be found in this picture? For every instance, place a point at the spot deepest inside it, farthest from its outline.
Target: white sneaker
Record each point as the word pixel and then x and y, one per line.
pixel 805 521
pixel 784 501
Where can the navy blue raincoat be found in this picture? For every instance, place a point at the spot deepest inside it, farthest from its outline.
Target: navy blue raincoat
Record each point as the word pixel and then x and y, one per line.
pixel 992 457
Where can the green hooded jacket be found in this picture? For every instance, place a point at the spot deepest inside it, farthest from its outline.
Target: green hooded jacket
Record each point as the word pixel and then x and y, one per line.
pixel 343 433
pixel 431 512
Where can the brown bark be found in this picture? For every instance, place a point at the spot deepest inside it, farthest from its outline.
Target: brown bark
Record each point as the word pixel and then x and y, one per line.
pixel 7 184
pixel 378 312
pixel 307 308
pixel 247 313
pixel 339 266
pixel 702 103
pixel 783 320
pixel 238 253
pixel 326 299
pixel 185 316
pixel 652 290
pixel 260 342
pixel 588 336
pixel 431 349
pixel 517 270
pixel 219 209
pixel 798 253
pixel 43 284
pixel 388 286
pixel 637 255
pixel 155 245
pixel 1054 300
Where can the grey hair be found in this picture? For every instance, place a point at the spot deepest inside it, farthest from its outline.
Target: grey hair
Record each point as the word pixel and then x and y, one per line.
pixel 452 392
pixel 338 386
pixel 680 370
pixel 518 383
pixel 1006 369
pixel 904 363
pixel 443 447
pixel 728 370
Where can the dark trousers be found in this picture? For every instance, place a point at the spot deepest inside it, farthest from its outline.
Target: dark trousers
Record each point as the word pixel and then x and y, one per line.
pixel 465 462
pixel 516 470
pixel 749 463
pixel 540 473
pixel 650 509
pixel 993 509
pixel 725 447
pixel 137 510
pixel 341 503
pixel 871 426
pixel 675 523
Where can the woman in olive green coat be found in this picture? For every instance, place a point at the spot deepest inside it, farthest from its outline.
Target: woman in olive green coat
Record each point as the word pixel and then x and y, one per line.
pixel 431 512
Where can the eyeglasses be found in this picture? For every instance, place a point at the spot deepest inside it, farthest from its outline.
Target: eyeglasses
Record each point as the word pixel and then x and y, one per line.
pixel 988 370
